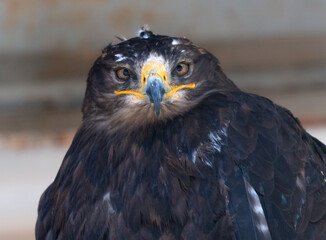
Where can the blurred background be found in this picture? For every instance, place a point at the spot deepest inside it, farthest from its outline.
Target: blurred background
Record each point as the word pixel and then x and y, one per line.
pixel 274 48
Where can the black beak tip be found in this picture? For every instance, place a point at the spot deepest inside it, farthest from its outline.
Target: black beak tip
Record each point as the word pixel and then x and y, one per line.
pixel 155 91
pixel 157 107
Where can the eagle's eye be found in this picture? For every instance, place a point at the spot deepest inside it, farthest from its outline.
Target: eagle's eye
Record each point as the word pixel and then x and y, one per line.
pixel 182 69
pixel 123 73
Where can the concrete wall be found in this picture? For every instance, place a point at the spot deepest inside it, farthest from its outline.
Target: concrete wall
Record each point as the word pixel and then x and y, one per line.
pixel 47 25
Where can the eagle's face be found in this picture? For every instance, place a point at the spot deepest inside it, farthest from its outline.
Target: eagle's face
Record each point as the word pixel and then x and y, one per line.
pixel 148 79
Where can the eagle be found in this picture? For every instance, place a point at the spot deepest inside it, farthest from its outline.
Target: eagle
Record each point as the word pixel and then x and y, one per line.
pixel 170 148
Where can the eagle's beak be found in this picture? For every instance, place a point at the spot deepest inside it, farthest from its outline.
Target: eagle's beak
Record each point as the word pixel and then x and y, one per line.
pixel 155 91
pixel 154 83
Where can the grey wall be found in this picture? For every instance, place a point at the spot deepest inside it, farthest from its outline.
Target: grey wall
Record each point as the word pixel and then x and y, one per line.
pixel 47 25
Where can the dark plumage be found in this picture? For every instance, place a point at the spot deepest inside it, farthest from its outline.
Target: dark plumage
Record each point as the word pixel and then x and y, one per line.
pixel 170 148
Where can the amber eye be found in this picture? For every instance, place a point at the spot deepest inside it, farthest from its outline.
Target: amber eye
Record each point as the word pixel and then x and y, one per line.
pixel 123 74
pixel 182 69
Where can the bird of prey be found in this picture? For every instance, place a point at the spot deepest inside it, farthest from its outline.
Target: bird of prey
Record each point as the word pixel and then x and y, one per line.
pixel 170 148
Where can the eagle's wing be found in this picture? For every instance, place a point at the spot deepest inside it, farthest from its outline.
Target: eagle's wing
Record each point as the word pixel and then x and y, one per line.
pixel 65 210
pixel 279 164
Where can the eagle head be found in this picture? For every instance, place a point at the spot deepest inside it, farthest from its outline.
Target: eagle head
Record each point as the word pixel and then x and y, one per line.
pixel 149 79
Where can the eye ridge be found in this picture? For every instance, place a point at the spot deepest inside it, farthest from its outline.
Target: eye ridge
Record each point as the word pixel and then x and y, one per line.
pixel 182 68
pixel 123 73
